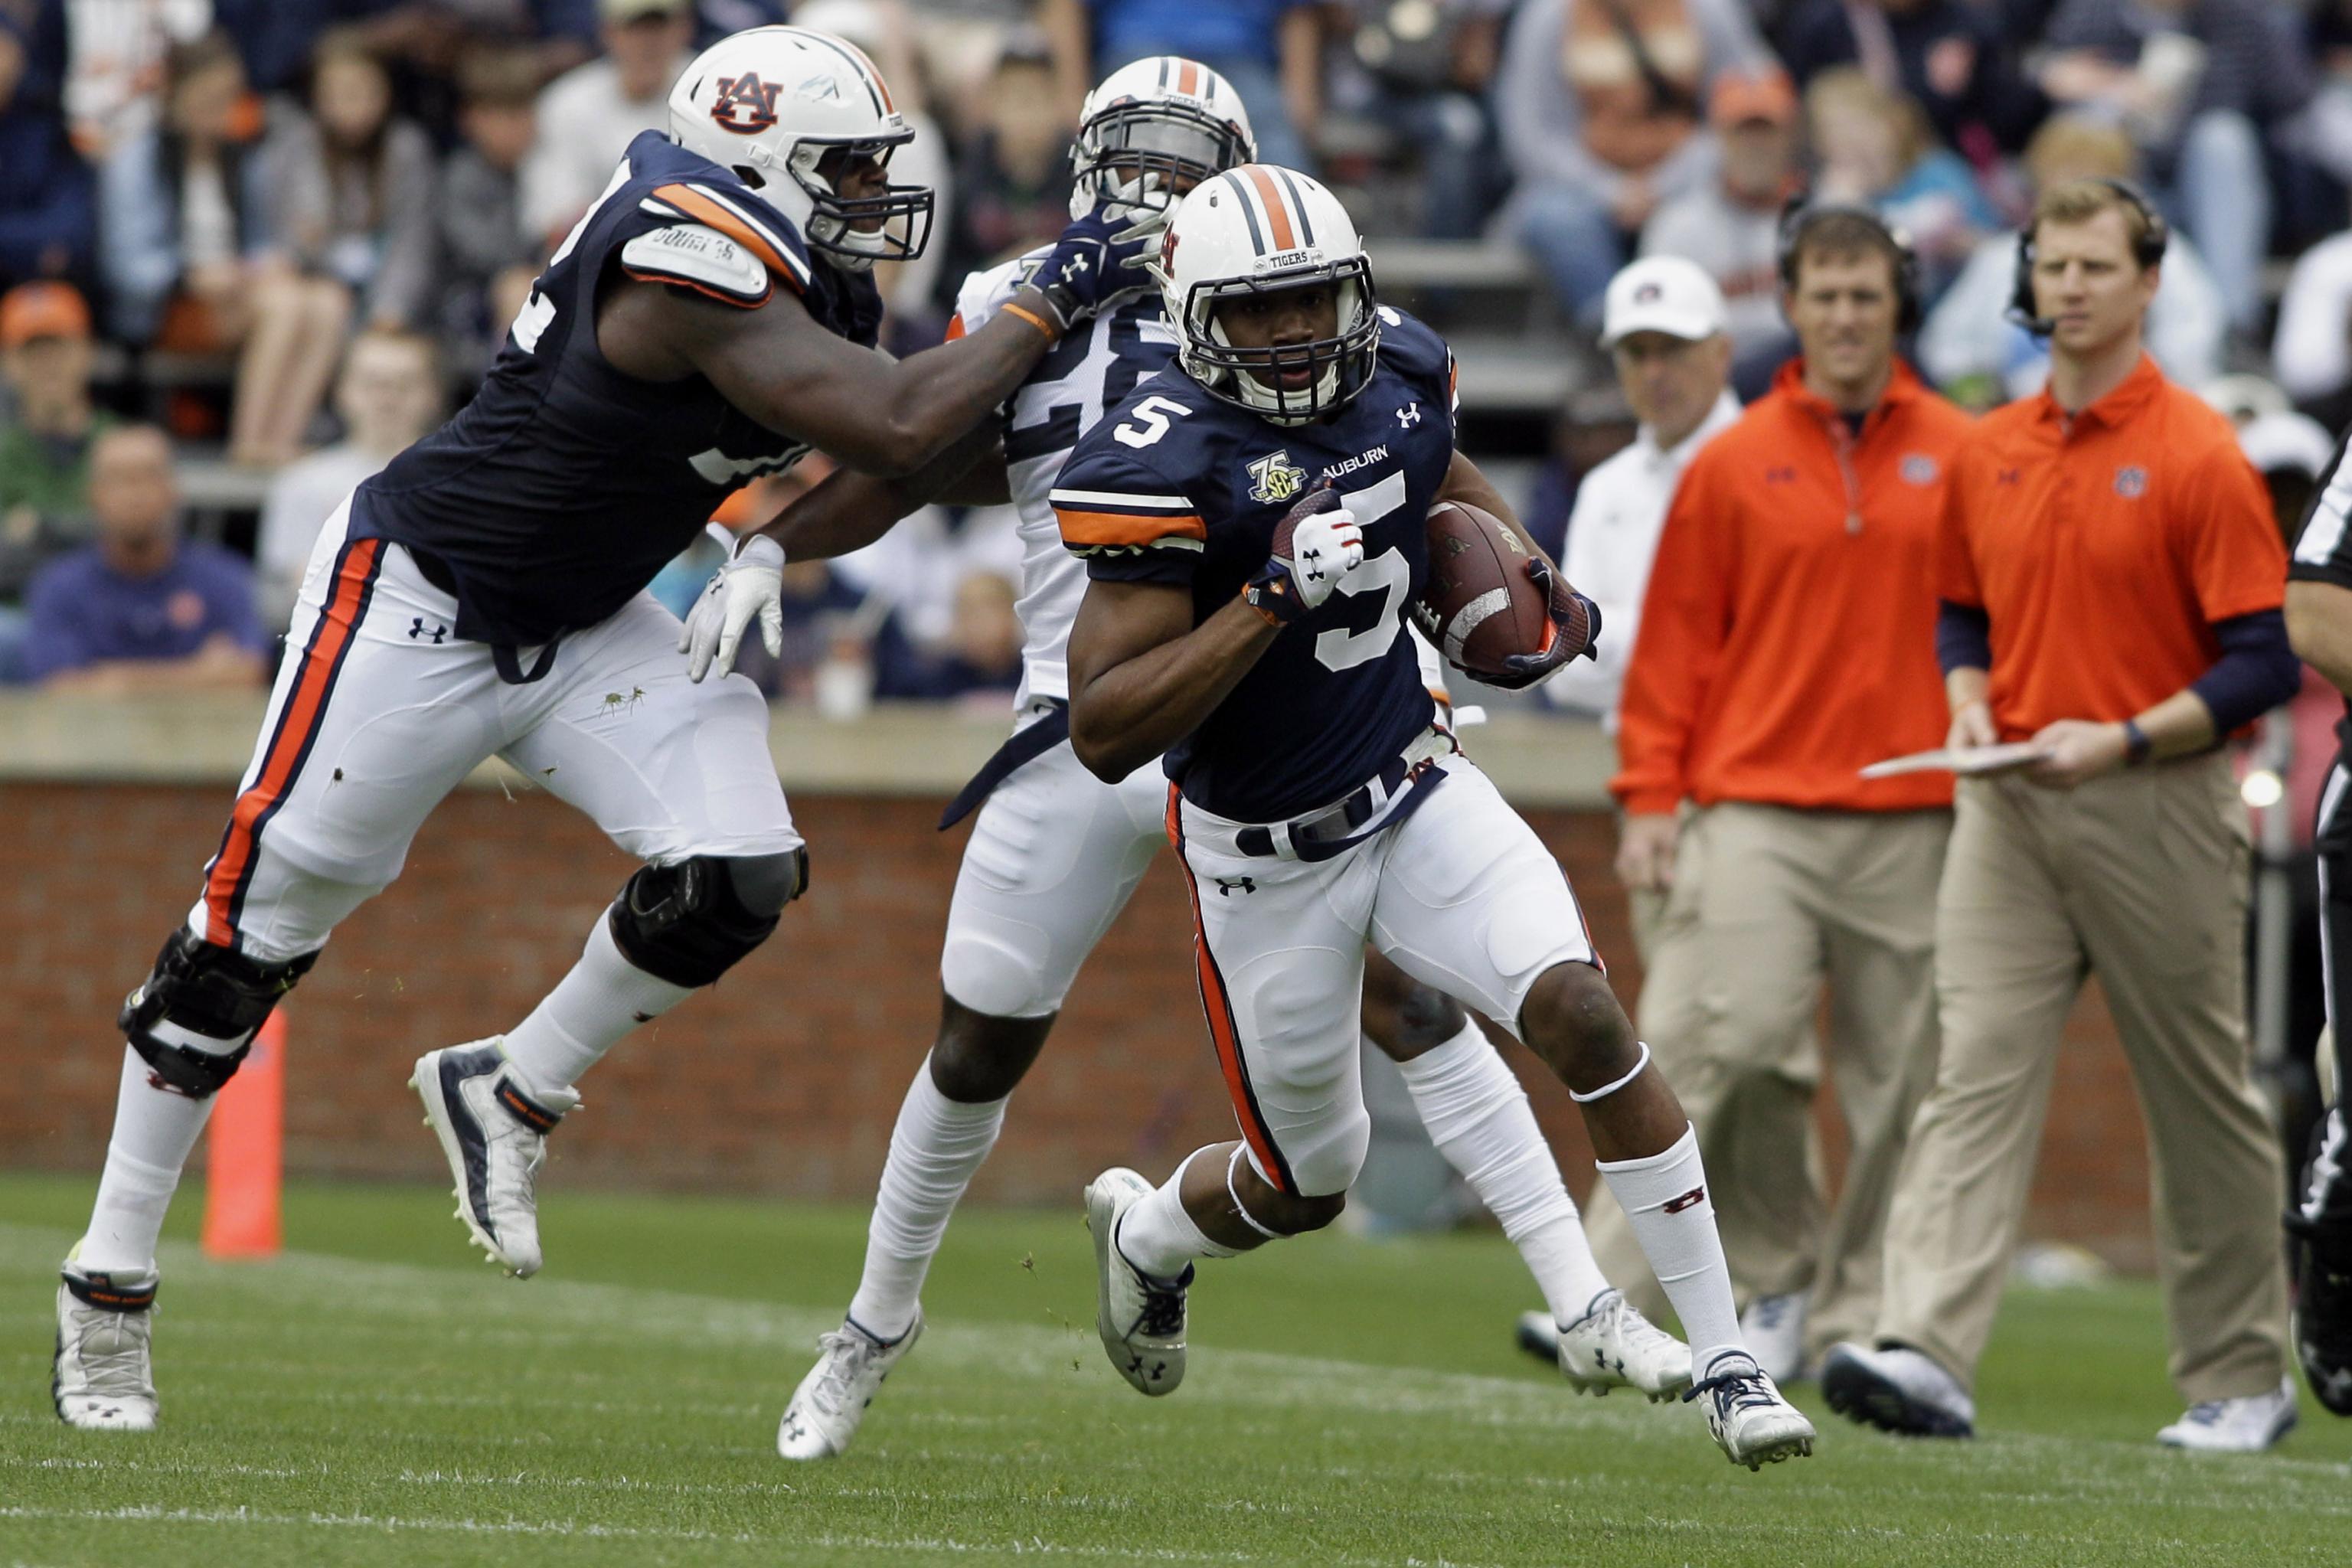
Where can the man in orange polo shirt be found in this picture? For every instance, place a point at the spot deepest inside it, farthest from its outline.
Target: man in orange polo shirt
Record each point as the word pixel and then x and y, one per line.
pixel 1786 641
pixel 2112 580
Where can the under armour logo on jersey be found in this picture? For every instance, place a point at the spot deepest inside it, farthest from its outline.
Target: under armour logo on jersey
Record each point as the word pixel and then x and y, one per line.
pixel 1695 1196
pixel 1409 415
pixel 416 630
pixel 746 105
pixel 1225 885
pixel 1780 476
pixel 2009 477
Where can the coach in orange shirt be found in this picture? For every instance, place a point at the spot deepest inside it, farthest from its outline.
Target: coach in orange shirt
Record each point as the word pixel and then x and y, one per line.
pixel 2112 581
pixel 1787 640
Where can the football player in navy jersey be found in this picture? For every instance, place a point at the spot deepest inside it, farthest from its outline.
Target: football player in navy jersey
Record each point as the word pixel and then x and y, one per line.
pixel 711 318
pixel 1054 852
pixel 1253 527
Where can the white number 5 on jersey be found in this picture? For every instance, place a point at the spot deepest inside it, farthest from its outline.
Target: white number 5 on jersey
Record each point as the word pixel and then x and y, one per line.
pixel 1147 421
pixel 1386 575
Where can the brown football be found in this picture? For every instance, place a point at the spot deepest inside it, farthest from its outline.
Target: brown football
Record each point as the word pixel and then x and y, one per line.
pixel 1479 606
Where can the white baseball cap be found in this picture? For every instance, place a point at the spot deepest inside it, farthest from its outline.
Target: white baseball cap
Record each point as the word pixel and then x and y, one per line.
pixel 1662 294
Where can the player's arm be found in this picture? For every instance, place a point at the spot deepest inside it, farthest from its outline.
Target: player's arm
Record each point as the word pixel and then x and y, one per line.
pixel 850 510
pixel 1143 677
pixel 781 368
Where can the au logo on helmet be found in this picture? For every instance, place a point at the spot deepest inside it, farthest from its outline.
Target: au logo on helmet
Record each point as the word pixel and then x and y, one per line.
pixel 745 104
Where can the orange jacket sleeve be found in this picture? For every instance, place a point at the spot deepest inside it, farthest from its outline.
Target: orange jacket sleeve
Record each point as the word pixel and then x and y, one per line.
pixel 1685 622
pixel 2227 539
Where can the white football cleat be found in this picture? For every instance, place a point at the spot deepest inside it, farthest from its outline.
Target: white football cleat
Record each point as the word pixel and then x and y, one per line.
pixel 1141 1320
pixel 1897 1389
pixel 103 1379
pixel 1749 1420
pixel 2246 1425
pixel 494 1132
pixel 831 1399
pixel 1613 1346
pixel 1773 1329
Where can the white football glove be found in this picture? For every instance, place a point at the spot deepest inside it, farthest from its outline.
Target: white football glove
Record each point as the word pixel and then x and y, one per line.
pixel 752 585
pixel 1324 548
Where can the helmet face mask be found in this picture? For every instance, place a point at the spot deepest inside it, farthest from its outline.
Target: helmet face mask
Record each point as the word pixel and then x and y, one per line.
pixel 1146 157
pixel 855 232
pixel 1336 367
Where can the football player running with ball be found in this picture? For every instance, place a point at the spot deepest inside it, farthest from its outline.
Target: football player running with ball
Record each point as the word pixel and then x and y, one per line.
pixel 1253 528
pixel 709 319
pixel 1056 852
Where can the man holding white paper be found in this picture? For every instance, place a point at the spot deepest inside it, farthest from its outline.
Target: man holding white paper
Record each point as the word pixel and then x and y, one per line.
pixel 2110 578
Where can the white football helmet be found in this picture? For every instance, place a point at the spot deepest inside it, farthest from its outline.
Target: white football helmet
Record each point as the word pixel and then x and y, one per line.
pixel 1255 230
pixel 1148 123
pixel 772 104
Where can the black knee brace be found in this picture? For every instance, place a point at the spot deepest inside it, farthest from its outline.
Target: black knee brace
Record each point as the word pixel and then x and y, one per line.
pixel 195 1017
pixel 689 923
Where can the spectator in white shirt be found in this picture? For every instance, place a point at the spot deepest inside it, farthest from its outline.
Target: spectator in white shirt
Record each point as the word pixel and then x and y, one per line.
pixel 588 117
pixel 388 396
pixel 1664 324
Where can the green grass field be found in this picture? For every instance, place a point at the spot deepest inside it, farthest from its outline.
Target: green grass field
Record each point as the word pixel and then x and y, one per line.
pixel 376 1398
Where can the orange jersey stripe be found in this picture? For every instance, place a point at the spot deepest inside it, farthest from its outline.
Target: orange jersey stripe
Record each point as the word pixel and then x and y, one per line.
pixel 1220 1012
pixel 1284 239
pixel 1117 528
pixel 704 210
pixel 300 721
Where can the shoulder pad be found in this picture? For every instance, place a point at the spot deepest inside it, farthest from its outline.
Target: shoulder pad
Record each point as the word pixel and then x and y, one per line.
pixel 699 259
pixel 742 218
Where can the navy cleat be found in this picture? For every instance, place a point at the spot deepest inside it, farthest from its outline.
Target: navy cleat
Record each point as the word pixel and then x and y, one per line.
pixel 494 1131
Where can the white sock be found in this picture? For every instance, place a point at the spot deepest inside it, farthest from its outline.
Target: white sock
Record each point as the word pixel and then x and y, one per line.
pixel 1479 1116
pixel 601 999
pixel 1158 1236
pixel 155 1129
pixel 1665 1198
pixel 935 1146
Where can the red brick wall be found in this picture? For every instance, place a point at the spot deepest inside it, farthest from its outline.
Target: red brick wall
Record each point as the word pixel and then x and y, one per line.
pixel 786 1078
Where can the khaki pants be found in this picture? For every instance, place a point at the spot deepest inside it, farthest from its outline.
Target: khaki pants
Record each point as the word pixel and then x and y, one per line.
pixel 1767 904
pixel 2140 877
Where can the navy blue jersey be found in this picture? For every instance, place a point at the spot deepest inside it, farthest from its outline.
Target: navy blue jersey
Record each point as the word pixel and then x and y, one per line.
pixel 555 495
pixel 1176 486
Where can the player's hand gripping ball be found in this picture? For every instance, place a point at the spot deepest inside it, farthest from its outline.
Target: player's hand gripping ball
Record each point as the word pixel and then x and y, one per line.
pixel 1500 614
pixel 1316 543
pixel 749 587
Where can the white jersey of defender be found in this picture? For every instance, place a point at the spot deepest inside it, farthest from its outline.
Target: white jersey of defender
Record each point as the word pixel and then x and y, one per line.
pixel 1048 416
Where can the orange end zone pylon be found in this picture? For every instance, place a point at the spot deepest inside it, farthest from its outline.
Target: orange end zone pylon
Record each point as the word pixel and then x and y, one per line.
pixel 243 1164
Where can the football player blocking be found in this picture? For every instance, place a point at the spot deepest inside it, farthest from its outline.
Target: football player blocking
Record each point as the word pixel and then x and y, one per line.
pixel 1056 853
pixel 709 319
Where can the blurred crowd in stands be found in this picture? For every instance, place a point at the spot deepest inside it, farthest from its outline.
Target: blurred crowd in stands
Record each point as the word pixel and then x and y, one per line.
pixel 264 244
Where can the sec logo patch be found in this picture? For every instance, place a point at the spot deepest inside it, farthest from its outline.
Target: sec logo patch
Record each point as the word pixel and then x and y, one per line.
pixel 1918 468
pixel 2131 481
